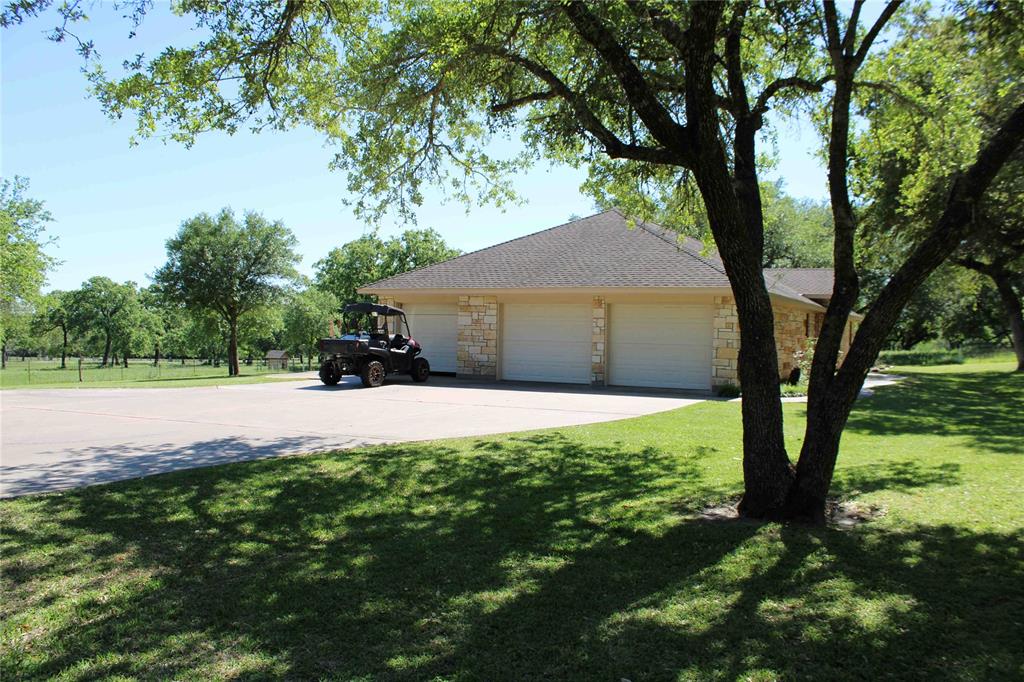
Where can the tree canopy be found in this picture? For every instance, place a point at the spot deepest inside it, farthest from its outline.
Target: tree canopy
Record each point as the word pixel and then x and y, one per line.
pixel 951 79
pixel 228 268
pixel 371 258
pixel 25 262
pixel 306 318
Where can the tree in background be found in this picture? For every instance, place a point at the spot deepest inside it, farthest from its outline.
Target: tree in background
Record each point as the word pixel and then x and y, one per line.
pixel 414 94
pixel 154 322
pixel 306 318
pixel 262 330
pixel 370 258
pixel 102 312
pixel 998 253
pixel 219 265
pixel 25 263
pixel 950 81
pixel 53 313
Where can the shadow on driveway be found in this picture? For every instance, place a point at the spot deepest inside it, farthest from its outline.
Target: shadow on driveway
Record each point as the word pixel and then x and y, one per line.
pixel 85 466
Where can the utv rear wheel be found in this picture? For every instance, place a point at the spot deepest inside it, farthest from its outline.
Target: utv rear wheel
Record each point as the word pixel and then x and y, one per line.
pixel 329 374
pixel 420 369
pixel 372 374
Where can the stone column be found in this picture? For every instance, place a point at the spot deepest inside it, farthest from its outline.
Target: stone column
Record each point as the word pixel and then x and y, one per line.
pixel 726 343
pixel 477 355
pixel 598 341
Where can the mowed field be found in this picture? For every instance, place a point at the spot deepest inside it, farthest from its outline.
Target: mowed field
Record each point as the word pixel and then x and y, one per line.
pixel 571 553
pixel 36 373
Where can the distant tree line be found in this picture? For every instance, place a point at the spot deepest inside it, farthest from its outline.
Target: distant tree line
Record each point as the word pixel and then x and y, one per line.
pixel 229 291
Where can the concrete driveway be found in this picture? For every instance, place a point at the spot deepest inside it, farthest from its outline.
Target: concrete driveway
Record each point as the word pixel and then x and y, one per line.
pixel 59 439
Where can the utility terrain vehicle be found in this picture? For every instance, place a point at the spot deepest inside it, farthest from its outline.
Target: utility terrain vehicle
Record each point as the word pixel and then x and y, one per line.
pixel 374 341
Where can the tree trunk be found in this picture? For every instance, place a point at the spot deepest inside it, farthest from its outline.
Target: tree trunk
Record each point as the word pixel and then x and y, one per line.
pixel 233 346
pixel 64 349
pixel 106 350
pixel 831 398
pixel 156 354
pixel 1014 315
pixel 732 206
pixel 3 356
pixel 125 358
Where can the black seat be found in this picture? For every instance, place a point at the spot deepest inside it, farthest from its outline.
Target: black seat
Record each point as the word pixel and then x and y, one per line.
pixel 398 342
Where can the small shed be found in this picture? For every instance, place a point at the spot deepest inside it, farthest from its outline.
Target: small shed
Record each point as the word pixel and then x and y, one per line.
pixel 277 359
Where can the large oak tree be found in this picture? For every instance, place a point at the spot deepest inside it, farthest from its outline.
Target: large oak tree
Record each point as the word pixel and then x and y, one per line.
pixel 227 268
pixel 412 92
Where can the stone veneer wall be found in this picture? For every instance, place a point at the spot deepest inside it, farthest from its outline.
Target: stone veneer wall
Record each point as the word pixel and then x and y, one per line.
pixel 478 337
pixel 725 342
pixel 598 340
pixel 791 327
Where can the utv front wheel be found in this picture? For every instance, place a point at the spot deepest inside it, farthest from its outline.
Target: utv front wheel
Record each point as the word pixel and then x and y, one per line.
pixel 372 374
pixel 329 374
pixel 420 369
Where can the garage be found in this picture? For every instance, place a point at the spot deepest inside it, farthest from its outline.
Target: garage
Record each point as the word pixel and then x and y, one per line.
pixel 659 346
pixel 435 326
pixel 546 342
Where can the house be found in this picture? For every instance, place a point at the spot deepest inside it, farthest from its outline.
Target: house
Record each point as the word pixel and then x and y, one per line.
pixel 597 301
pixel 277 359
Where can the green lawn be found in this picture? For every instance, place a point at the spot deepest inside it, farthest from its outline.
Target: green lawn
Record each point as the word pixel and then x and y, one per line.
pixel 34 373
pixel 560 554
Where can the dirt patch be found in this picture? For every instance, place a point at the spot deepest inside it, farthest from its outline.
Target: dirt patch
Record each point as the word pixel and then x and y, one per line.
pixel 841 514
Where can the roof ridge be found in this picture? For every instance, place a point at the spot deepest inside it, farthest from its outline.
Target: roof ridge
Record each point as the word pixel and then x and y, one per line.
pixel 494 246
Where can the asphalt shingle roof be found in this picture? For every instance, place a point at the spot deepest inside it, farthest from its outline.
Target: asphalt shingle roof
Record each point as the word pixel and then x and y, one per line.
pixel 597 251
pixel 812 282
pixel 601 250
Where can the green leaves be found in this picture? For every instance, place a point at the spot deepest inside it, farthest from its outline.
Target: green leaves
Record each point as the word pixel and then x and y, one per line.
pixel 24 262
pixel 371 258
pixel 306 319
pixel 218 264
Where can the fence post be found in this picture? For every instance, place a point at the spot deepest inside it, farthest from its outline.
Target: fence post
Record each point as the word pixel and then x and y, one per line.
pixel 79 369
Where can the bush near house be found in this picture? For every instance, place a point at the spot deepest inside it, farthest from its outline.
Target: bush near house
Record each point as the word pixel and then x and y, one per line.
pixel 920 357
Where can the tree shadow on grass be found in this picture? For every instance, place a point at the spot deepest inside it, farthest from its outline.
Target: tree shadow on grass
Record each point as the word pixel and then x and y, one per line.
pixel 895 476
pixel 529 557
pixel 983 407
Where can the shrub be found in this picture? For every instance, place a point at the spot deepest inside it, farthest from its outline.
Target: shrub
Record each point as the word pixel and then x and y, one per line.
pixel 920 357
pixel 728 391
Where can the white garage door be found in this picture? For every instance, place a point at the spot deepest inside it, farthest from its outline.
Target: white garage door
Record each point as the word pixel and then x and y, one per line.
pixel 546 343
pixel 436 327
pixel 660 346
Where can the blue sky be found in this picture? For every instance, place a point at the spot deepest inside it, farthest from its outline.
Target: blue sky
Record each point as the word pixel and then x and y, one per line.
pixel 116 205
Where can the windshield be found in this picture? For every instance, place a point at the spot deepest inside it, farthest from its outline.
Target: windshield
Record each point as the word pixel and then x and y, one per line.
pixel 366 325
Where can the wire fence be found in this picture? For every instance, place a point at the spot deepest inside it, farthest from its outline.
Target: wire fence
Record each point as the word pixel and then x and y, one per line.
pixel 32 371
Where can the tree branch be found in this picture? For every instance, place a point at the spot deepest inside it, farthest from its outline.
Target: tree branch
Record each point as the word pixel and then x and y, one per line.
pixel 613 146
pixel 516 102
pixel 773 88
pixel 876 28
pixel 638 92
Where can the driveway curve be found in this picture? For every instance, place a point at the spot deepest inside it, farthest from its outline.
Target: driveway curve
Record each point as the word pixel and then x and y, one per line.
pixel 61 439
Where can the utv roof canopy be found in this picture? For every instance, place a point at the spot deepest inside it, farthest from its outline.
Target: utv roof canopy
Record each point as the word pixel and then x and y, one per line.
pixel 372 308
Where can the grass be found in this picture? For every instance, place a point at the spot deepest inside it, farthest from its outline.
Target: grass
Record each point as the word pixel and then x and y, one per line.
pixel 34 373
pixel 563 554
